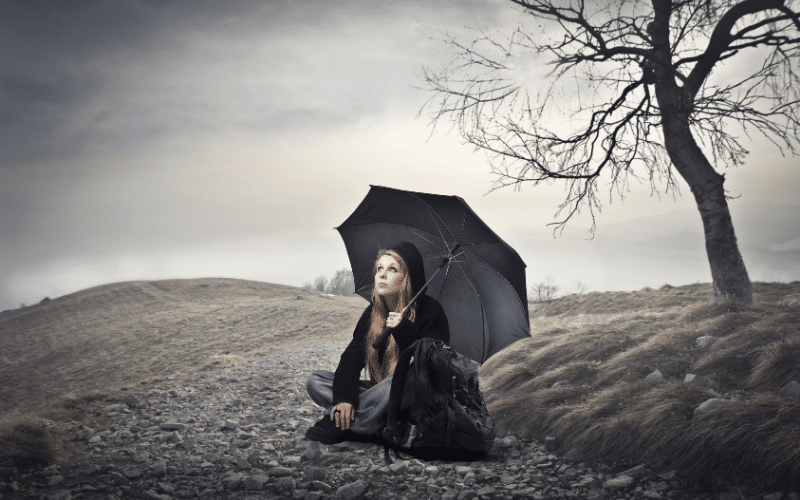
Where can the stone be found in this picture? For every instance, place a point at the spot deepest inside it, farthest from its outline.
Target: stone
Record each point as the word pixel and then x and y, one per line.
pixel 400 467
pixel 449 495
pixel 292 460
pixel 242 463
pixel 619 482
pixel 285 484
pixel 312 452
pixel 159 469
pixel 189 442
pixel 172 426
pixel 636 472
pixel 791 390
pixel 256 481
pixel 467 495
pixel 232 481
pixel 59 495
pixel 51 471
pixel 280 471
pixel 773 496
pixel 699 380
pixel 509 441
pixel 313 474
pixel 140 457
pixel 131 402
pixel 118 478
pixel 573 455
pixel 551 443
pixel 705 341
pixel 560 383
pixel 319 486
pixel 84 435
pixel 254 457
pixel 152 495
pixel 656 376
pixel 352 491
pixel 54 480
pixel 709 405
pixel 487 491
pixel 132 474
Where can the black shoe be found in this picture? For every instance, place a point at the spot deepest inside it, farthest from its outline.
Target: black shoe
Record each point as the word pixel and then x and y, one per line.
pixel 326 432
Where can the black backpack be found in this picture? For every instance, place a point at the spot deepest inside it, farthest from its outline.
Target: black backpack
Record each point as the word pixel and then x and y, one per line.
pixel 435 407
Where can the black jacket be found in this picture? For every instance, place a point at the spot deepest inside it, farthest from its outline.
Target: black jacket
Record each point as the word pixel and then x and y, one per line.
pixel 430 321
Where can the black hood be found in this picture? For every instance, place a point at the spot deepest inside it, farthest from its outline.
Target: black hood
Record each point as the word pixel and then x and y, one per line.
pixel 413 260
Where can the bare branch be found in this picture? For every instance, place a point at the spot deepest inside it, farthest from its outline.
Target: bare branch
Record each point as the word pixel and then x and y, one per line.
pixel 721 38
pixel 597 118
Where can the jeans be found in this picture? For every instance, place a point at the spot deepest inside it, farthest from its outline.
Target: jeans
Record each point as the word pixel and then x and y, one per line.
pixel 373 402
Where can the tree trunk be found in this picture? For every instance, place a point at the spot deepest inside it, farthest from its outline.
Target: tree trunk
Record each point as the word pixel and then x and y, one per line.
pixel 728 272
pixel 676 103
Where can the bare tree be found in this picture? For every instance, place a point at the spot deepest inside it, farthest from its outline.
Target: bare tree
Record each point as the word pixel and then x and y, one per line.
pixel 342 283
pixel 544 290
pixel 643 103
pixel 321 283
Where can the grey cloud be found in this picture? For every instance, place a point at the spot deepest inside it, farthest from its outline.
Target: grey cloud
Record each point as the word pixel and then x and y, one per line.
pixel 21 89
pixel 62 60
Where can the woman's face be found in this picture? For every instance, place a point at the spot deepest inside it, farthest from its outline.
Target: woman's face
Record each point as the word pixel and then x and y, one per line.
pixel 388 276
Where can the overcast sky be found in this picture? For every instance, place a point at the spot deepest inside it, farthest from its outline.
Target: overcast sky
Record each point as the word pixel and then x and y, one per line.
pixel 152 139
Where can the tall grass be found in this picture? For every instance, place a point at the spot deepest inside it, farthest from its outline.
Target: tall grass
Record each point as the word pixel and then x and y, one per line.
pixel 605 344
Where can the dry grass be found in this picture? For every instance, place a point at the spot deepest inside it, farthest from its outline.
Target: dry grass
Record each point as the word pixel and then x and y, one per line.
pixel 604 344
pixel 132 337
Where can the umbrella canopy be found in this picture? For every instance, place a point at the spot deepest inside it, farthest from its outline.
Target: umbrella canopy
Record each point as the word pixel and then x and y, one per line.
pixel 482 288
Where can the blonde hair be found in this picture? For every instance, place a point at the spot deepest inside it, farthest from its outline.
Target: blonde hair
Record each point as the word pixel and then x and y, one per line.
pixel 380 312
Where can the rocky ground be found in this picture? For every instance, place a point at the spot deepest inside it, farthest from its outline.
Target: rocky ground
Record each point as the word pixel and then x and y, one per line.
pixel 239 434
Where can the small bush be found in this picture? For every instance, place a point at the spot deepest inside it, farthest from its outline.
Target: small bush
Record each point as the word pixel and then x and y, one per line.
pixel 26 442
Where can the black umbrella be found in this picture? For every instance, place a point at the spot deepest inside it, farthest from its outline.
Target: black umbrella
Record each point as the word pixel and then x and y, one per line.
pixel 475 275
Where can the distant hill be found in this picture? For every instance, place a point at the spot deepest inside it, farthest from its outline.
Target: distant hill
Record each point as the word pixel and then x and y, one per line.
pixel 131 334
pixel 662 249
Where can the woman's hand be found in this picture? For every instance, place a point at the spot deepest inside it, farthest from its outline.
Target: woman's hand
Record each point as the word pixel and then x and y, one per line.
pixel 343 415
pixel 393 320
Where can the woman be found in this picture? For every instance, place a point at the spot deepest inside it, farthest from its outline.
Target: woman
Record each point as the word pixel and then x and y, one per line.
pixel 356 406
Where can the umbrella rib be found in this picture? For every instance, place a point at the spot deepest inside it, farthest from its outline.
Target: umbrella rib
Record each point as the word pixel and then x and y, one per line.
pixel 483 312
pixel 413 230
pixel 435 215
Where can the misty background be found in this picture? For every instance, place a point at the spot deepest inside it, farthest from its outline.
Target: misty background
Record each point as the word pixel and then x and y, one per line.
pixel 154 139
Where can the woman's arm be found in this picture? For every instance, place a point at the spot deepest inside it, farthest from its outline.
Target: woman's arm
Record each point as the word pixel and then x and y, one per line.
pixel 345 380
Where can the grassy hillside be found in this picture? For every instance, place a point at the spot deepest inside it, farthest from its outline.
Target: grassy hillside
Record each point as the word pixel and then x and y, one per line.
pixel 599 347
pixel 62 357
